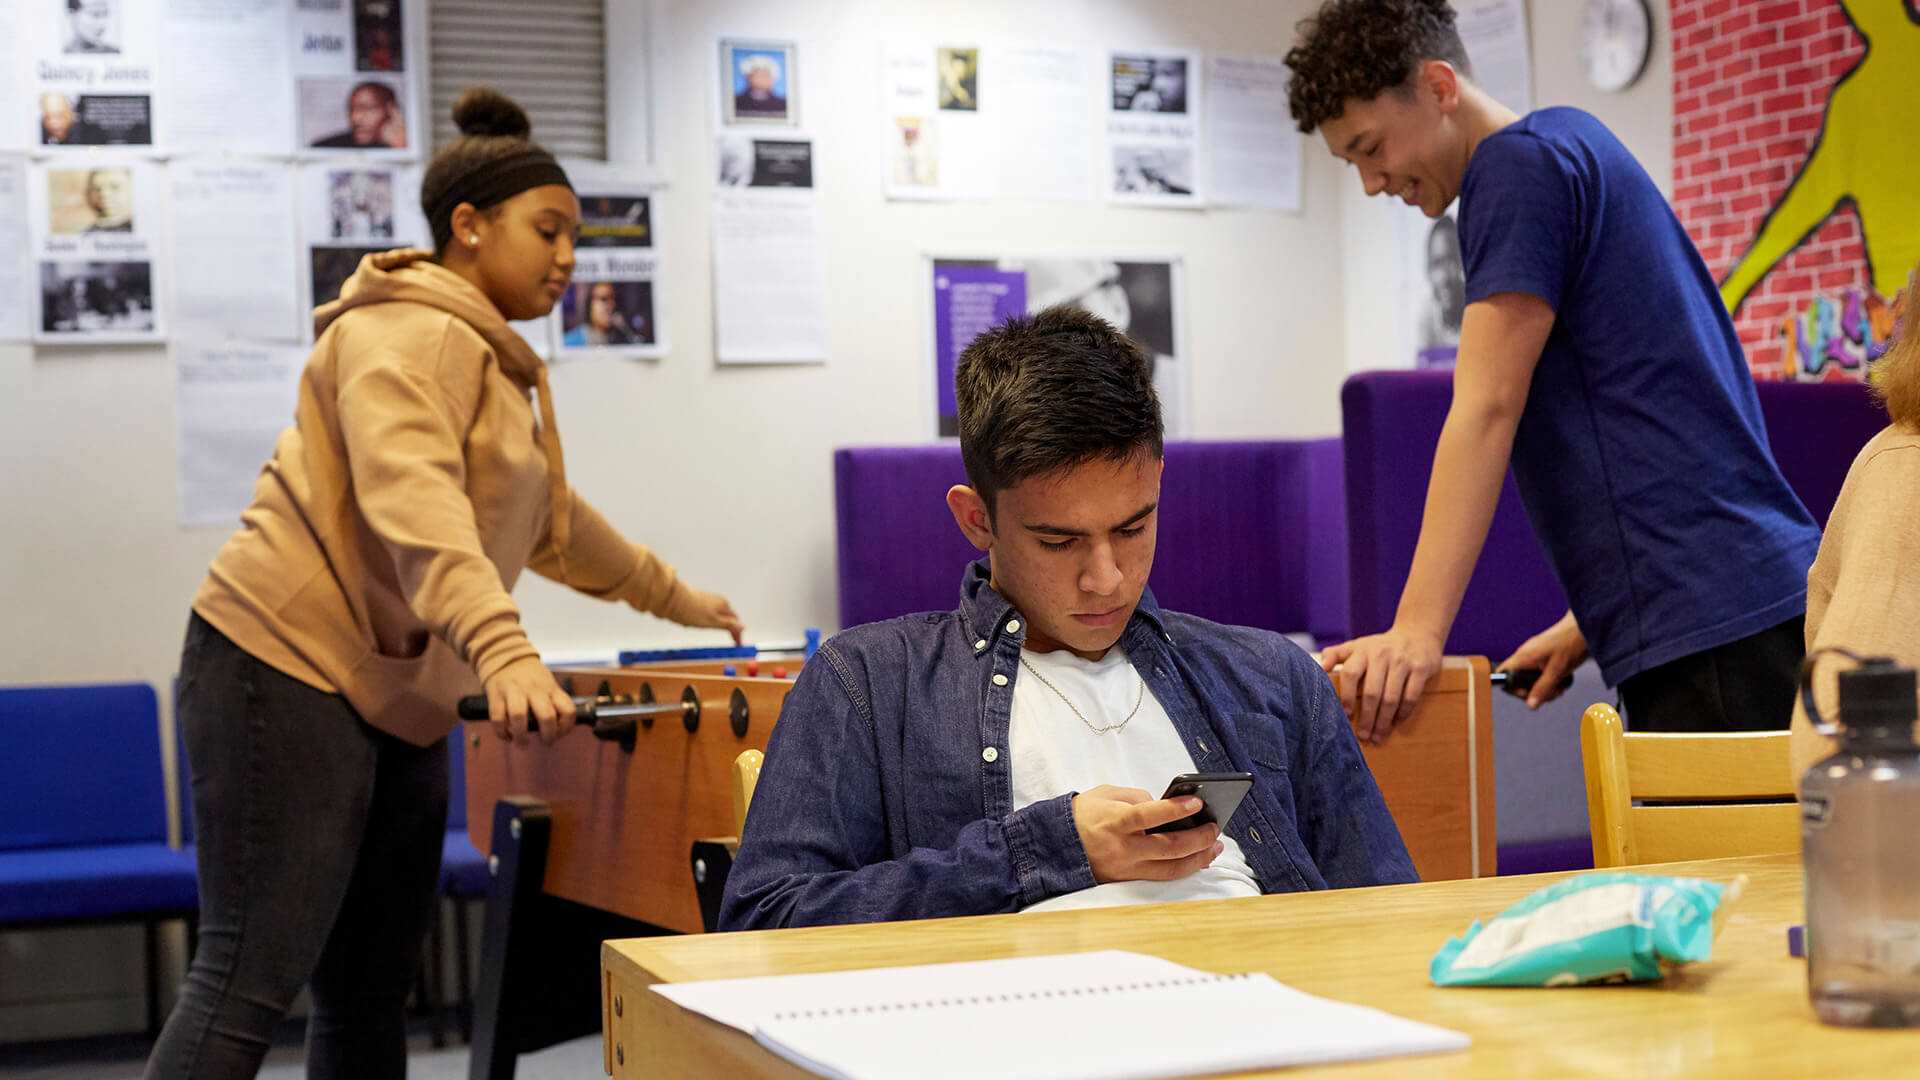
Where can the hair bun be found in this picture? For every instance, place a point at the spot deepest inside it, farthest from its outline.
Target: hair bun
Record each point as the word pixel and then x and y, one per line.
pixel 482 110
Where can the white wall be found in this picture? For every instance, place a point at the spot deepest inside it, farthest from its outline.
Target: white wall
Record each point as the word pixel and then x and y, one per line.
pixel 1641 115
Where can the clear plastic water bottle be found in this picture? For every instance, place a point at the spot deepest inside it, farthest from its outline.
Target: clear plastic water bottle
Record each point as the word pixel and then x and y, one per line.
pixel 1860 843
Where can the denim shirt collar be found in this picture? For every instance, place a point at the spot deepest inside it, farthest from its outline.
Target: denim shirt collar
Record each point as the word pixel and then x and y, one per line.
pixel 986 612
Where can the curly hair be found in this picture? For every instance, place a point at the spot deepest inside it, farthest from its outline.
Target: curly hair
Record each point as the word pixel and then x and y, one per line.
pixel 1361 48
pixel 1896 375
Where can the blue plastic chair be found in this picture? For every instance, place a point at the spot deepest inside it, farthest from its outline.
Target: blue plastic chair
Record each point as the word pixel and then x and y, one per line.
pixel 83 816
pixel 463 876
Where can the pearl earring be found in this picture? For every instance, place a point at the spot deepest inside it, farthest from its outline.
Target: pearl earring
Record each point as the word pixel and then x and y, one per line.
pixel 473 240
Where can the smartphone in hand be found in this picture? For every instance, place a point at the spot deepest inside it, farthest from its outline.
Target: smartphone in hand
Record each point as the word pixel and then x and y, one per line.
pixel 1220 791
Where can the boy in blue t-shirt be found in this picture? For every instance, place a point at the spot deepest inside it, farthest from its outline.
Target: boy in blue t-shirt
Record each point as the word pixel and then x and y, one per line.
pixel 1597 359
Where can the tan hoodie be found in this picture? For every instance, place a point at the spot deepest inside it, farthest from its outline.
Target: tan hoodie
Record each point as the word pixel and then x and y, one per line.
pixel 396 514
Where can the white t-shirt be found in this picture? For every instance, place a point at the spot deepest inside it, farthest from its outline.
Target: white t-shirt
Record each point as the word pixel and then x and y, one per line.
pixel 1054 752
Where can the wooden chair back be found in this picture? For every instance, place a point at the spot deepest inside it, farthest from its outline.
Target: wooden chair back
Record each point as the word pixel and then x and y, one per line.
pixel 1707 782
pixel 746 775
pixel 1435 772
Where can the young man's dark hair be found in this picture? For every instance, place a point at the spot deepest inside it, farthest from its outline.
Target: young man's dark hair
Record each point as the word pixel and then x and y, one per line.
pixel 1363 48
pixel 1045 392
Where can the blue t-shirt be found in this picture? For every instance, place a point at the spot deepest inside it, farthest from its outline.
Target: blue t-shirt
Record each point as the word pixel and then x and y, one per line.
pixel 1641 456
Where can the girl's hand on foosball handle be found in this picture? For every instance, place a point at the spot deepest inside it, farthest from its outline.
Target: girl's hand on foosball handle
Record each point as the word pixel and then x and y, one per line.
pixel 698 607
pixel 525 688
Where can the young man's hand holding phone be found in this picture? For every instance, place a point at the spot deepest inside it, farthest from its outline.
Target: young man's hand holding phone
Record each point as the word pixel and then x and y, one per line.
pixel 1131 836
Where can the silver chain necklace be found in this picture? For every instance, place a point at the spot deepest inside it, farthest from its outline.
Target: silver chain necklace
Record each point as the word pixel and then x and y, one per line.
pixel 1091 726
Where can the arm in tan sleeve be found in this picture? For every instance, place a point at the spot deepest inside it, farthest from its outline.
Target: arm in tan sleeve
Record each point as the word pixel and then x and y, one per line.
pixel 1875 606
pixel 607 566
pixel 403 441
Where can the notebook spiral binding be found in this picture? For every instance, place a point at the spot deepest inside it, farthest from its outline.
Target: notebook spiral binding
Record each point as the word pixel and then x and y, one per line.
pixel 999 999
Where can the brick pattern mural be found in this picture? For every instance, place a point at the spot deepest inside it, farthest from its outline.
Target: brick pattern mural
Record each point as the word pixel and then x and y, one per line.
pixel 1752 85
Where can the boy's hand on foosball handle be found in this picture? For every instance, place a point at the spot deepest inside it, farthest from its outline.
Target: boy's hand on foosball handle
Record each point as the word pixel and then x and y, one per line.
pixel 526 688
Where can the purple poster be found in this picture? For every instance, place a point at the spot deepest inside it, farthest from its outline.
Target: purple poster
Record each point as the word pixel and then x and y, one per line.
pixel 968 297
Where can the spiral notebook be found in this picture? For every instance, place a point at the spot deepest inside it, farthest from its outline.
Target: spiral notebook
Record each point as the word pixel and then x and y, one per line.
pixel 1104 1014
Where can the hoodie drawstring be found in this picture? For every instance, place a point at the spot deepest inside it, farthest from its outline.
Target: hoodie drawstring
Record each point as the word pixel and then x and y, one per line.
pixel 560 497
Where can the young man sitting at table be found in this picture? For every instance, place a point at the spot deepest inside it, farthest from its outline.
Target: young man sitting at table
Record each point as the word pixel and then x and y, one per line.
pixel 1005 756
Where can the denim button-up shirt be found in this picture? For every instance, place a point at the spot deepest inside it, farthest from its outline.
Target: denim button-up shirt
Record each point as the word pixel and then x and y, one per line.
pixel 886 791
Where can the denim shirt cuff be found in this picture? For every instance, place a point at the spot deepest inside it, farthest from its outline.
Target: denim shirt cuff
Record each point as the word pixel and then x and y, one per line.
pixel 1047 856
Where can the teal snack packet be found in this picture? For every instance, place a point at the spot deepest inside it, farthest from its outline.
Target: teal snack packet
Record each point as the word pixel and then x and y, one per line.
pixel 1594 928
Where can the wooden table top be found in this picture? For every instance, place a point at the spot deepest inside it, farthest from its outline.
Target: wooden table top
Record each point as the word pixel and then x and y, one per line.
pixel 1745 1013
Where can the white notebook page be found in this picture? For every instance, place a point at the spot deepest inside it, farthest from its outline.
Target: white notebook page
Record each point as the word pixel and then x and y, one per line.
pixel 1106 1014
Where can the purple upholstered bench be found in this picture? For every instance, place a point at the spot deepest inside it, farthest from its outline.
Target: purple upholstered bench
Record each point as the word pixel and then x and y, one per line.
pixel 1392 424
pixel 1251 533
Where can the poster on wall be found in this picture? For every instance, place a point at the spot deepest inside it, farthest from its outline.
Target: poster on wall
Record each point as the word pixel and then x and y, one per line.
pixel 1052 99
pixel 228 76
pixel 1433 281
pixel 234 250
pixel 17 308
pixel 14 112
pixel 1254 149
pixel 758 84
pixel 232 400
pixel 96 239
pixel 1494 33
pixel 353 88
pixel 352 209
pixel 769 254
pixel 93 70
pixel 612 306
pixel 1153 128
pixel 941 129
pixel 1140 296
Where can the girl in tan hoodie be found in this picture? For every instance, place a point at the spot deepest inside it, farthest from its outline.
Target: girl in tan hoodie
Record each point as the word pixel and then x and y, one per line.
pixel 1863 592
pixel 366 590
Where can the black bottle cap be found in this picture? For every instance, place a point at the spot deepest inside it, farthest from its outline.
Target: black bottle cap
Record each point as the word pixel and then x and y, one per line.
pixel 1879 694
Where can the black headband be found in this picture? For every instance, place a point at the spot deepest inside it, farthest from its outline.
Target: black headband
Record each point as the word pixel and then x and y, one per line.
pixel 493 183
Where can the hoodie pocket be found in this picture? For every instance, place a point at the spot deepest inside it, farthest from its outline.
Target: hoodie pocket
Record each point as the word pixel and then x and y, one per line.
pixel 411 697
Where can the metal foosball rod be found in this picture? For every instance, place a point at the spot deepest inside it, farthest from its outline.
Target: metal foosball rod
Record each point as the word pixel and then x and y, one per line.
pixel 615 717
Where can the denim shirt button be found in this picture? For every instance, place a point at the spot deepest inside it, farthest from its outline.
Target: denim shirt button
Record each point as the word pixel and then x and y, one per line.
pixel 981 644
pixel 1013 626
pixel 990 755
pixel 1204 748
pixel 1255 833
pixel 999 679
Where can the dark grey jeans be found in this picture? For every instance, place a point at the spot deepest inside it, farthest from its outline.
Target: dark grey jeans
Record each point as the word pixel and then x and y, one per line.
pixel 319 853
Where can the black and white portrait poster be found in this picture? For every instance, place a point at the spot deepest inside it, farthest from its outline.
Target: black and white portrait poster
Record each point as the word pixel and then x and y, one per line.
pixel 93 72
pixel 1435 287
pixel 349 209
pixel 1138 295
pixel 96 228
pixel 612 308
pixel 356 90
pixel 1154 122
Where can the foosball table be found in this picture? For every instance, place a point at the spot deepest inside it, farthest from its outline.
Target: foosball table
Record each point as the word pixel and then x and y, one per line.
pixel 592 837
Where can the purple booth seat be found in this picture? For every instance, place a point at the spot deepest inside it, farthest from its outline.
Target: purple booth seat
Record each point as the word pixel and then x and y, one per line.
pixel 1251 533
pixel 1817 429
pixel 1392 422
